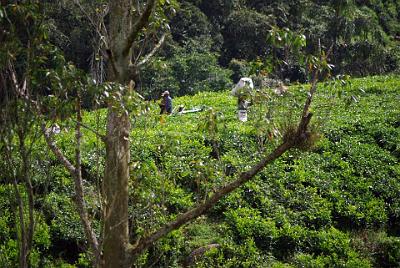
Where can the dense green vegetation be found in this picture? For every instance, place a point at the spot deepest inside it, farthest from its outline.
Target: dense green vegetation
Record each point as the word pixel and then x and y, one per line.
pixel 76 95
pixel 336 204
pixel 209 38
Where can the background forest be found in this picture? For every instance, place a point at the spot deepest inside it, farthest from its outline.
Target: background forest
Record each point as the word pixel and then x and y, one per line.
pixel 213 43
pixel 332 202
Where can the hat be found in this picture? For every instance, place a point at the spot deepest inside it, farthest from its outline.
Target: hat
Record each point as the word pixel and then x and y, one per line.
pixel 165 93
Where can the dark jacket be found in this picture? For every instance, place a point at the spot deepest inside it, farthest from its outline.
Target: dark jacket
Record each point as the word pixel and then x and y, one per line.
pixel 168 104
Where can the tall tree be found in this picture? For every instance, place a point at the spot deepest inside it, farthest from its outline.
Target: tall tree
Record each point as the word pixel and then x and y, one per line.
pixel 124 28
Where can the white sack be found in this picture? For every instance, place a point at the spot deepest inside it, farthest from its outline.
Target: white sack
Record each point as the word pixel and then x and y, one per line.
pixel 243 82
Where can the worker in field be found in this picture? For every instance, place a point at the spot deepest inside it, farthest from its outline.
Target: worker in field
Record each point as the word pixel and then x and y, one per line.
pixel 166 103
pixel 243 91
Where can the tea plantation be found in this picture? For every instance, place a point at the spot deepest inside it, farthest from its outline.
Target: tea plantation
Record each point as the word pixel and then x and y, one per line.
pixel 335 203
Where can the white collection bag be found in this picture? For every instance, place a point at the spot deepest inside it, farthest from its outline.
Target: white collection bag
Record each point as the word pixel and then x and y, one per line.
pixel 242 115
pixel 243 82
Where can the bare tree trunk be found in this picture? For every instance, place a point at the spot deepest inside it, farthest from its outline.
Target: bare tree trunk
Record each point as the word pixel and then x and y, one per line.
pixel 29 226
pixel 22 175
pixel 123 30
pixel 26 225
pixel 116 174
pixel 26 228
pixel 115 187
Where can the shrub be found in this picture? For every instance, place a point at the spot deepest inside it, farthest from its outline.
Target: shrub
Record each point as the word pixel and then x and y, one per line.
pixel 389 252
pixel 185 74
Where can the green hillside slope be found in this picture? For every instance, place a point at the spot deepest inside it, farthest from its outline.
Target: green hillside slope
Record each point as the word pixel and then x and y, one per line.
pixel 337 204
pixel 334 204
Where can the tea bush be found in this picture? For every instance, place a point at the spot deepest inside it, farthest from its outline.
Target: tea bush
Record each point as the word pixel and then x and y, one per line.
pixel 306 209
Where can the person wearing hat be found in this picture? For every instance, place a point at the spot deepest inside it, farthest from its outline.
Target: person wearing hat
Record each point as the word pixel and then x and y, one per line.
pixel 166 103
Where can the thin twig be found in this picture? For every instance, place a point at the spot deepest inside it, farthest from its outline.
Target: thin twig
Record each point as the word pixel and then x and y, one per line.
pixel 101 136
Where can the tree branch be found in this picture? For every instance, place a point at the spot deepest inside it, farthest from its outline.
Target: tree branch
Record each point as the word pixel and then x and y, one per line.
pixel 315 79
pixel 79 193
pixel 75 171
pixel 152 52
pixel 141 22
pixel 95 24
pixel 112 61
pixel 22 91
pixel 57 152
pixel 29 188
pixel 23 250
pixel 184 218
pixel 98 134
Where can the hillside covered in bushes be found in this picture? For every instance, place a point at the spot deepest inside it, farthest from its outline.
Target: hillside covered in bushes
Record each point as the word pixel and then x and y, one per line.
pixel 333 204
pixel 93 175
